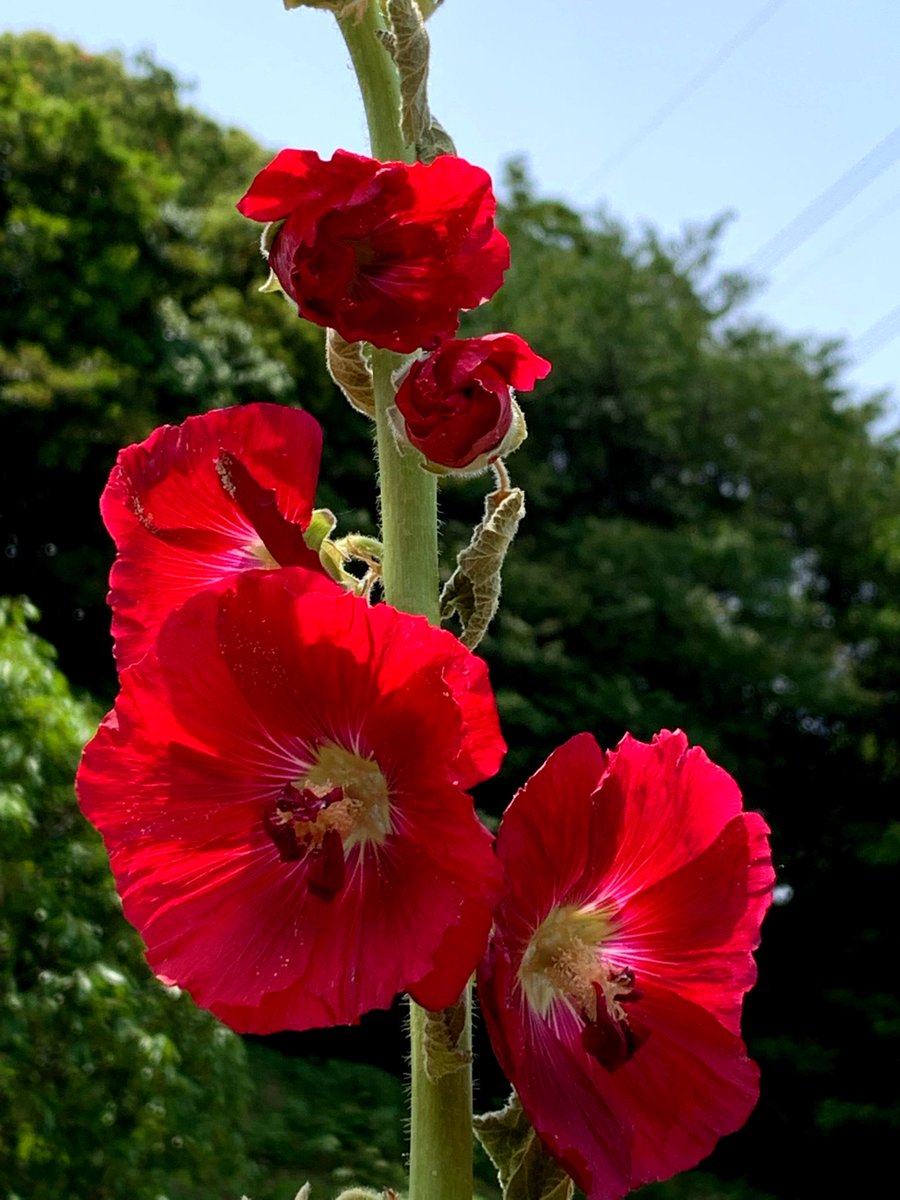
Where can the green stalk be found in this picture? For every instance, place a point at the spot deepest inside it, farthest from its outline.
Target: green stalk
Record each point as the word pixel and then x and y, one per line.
pixel 408 509
pixel 378 83
pixel 440 1145
pixel 440 1166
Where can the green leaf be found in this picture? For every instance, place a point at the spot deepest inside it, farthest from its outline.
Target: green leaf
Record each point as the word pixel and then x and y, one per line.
pixel 525 1168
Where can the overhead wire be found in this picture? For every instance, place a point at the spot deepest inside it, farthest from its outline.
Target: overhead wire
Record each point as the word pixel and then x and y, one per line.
pixel 684 93
pixel 876 337
pixel 786 286
pixel 815 214
pixel 829 202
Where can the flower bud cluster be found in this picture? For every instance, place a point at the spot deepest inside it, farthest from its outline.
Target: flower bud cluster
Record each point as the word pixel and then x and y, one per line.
pixel 390 254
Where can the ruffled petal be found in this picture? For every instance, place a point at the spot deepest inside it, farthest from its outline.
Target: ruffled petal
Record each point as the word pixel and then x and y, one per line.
pixel 620 954
pixel 387 253
pixel 180 523
pixel 694 931
pixel 675 803
pixel 547 836
pixel 300 178
pixel 245 685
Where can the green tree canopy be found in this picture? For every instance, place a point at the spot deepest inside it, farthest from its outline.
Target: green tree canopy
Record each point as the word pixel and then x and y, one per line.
pixel 111 1085
pixel 712 543
pixel 712 537
pixel 129 300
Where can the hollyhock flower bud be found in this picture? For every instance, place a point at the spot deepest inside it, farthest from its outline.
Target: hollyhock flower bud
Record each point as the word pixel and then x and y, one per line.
pixel 387 253
pixel 282 789
pixel 613 983
pixel 458 403
pixel 195 504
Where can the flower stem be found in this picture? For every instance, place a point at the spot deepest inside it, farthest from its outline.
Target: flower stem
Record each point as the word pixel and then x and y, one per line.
pixel 379 84
pixel 440 1149
pixel 440 1165
pixel 408 509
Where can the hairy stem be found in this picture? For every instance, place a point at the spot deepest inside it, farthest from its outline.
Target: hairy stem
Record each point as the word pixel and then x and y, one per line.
pixel 379 84
pixel 441 1109
pixel 408 509
pixel 440 1152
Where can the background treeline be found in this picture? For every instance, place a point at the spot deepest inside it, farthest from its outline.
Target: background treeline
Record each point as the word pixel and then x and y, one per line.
pixel 712 542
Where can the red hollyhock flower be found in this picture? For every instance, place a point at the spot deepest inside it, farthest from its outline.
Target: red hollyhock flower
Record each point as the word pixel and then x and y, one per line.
pixel 386 253
pixel 201 502
pixel 612 987
pixel 457 403
pixel 280 787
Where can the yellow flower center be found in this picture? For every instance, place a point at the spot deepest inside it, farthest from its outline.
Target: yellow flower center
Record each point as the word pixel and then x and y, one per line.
pixel 363 814
pixel 570 959
pixel 342 801
pixel 563 961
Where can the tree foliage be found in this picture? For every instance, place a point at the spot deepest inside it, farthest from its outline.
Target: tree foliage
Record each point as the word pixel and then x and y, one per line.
pixel 111 1086
pixel 711 543
pixel 712 536
pixel 128 283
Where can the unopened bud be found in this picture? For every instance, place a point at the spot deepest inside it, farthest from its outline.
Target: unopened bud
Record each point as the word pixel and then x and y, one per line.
pixel 320 525
pixel 457 403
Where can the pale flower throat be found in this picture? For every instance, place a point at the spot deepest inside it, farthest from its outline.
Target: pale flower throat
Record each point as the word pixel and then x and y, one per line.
pixel 342 801
pixel 263 556
pixel 566 961
pixel 563 957
pixel 363 815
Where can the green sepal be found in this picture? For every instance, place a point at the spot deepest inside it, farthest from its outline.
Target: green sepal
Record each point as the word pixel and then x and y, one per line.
pixel 359 545
pixel 272 284
pixel 473 590
pixel 333 565
pixel 446 1049
pixel 525 1168
pixel 320 526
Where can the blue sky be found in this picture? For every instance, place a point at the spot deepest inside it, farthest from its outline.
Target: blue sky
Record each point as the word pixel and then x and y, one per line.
pixel 661 112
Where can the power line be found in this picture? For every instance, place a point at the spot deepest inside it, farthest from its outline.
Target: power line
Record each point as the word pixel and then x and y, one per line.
pixel 784 287
pixel 826 204
pixel 876 337
pixel 684 93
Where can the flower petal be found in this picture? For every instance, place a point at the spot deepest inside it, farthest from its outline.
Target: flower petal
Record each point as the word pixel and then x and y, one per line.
pixel 382 252
pixel 620 954
pixel 176 526
pixel 695 930
pixel 675 802
pixel 246 684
